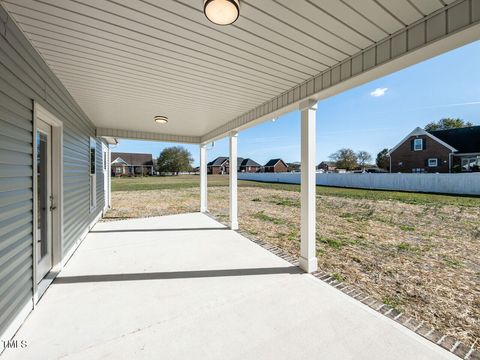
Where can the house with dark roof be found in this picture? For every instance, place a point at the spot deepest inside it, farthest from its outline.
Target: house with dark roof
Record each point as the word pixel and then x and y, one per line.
pixel 131 164
pixel 440 151
pixel 276 166
pixel 249 166
pixel 327 166
pixel 221 165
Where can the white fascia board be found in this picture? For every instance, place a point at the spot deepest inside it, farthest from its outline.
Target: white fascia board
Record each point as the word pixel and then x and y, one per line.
pixel 450 27
pixel 149 136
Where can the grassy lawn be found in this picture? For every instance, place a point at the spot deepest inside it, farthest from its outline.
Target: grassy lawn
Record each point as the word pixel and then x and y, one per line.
pixel 415 252
pixel 190 181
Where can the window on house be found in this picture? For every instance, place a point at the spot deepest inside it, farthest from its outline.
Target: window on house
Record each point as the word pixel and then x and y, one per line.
pixel 418 144
pixel 432 162
pixel 93 176
pixel 118 170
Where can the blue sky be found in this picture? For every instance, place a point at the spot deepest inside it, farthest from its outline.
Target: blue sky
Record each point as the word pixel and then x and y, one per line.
pixel 370 117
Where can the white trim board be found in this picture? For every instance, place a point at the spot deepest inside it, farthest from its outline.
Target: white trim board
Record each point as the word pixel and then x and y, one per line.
pixel 40 112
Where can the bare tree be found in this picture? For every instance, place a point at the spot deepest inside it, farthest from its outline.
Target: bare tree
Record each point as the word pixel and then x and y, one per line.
pixel 363 158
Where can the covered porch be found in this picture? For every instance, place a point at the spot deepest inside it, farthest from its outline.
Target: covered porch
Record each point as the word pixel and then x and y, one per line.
pixel 186 286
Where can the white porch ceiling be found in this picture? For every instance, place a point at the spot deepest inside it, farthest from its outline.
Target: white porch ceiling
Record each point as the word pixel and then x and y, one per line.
pixel 126 61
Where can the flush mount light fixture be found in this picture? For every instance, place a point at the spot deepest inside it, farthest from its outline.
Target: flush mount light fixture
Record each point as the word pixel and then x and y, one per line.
pixel 221 12
pixel 160 119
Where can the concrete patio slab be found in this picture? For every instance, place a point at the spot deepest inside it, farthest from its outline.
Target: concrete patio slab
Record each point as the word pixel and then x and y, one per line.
pixel 184 286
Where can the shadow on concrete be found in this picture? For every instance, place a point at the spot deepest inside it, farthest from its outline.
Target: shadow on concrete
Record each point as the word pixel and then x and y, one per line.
pixel 177 275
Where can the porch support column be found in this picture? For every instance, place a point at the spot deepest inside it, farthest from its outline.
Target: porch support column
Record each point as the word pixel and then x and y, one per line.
pixel 308 260
pixel 203 178
pixel 109 176
pixel 233 181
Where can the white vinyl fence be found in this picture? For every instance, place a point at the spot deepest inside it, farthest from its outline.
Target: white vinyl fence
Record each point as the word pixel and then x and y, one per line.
pixel 462 184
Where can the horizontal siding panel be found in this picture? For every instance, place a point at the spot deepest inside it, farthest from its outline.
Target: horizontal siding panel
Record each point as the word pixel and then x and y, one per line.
pixel 13 92
pixel 22 298
pixel 12 197
pixel 15 287
pixel 16 119
pixel 14 171
pixel 12 264
pixel 14 249
pixel 15 223
pixel 10 143
pixel 14 77
pixel 10 184
pixel 15 209
pixel 14 236
pixel 14 106
pixel 14 158
pixel 16 64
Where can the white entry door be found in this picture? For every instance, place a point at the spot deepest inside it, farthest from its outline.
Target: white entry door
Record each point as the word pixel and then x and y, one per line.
pixel 44 199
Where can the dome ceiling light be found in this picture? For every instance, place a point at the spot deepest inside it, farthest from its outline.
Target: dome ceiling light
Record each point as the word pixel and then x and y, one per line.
pixel 160 119
pixel 221 12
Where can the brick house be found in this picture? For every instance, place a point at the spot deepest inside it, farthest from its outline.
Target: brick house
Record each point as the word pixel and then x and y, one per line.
pixel 220 165
pixel 441 151
pixel 276 166
pixel 327 166
pixel 249 166
pixel 131 164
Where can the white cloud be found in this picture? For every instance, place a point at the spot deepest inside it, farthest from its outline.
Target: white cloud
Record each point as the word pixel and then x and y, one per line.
pixel 378 92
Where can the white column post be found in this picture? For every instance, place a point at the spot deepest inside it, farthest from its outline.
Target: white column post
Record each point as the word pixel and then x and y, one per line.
pixel 109 175
pixel 233 181
pixel 203 178
pixel 308 260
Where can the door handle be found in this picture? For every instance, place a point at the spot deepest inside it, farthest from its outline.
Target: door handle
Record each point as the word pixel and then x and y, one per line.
pixel 52 207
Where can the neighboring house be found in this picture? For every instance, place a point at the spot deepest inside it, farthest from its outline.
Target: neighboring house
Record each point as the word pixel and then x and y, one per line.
pixel 327 166
pixel 249 166
pixel 221 164
pixel 131 164
pixel 441 151
pixel 276 166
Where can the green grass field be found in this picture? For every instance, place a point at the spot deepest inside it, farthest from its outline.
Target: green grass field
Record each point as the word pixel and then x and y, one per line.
pixel 191 181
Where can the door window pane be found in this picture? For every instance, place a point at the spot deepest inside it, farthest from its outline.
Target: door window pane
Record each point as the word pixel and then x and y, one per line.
pixel 42 193
pixel 93 152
